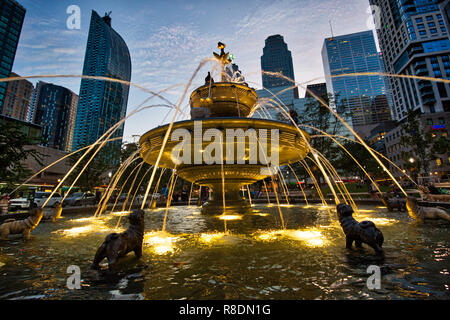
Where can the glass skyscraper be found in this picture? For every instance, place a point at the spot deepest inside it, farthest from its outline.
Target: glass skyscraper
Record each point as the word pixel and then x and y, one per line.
pixel 54 111
pixel 363 98
pixel 277 58
pixel 102 103
pixel 414 39
pixel 11 20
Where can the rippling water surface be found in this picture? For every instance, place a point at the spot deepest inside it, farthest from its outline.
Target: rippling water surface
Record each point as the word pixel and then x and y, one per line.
pixel 196 259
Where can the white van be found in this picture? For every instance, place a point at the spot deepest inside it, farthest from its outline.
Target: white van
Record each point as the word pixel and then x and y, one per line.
pixel 41 197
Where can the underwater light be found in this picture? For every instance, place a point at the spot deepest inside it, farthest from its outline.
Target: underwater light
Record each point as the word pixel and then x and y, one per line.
pixel 161 242
pixel 229 217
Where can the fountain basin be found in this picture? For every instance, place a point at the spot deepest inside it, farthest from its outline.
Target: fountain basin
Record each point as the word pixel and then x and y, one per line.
pixel 276 144
pixel 227 99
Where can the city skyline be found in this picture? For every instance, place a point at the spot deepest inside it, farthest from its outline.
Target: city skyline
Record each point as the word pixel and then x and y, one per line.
pixel 157 48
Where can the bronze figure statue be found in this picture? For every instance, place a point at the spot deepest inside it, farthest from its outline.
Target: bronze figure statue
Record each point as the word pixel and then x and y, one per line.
pixel 394 203
pixel 117 245
pixel 223 58
pixel 24 227
pixel 421 213
pixel 209 79
pixel 360 232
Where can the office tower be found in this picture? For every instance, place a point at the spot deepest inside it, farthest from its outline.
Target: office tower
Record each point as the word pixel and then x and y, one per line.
pixel 363 98
pixel 414 39
pixel 102 103
pixel 71 122
pixel 33 101
pixel 11 20
pixel 277 58
pixel 55 111
pixel 319 89
pixel 17 98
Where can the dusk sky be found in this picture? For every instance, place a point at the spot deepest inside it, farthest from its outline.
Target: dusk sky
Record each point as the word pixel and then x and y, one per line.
pixel 168 39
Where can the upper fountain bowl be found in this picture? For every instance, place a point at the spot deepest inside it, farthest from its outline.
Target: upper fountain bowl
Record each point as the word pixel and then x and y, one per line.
pixel 222 99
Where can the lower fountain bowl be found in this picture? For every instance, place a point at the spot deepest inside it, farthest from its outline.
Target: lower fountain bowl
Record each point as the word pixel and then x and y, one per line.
pixel 207 156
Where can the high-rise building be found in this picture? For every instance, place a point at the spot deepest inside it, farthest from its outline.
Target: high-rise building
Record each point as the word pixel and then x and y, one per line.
pixel 414 39
pixel 17 98
pixel 277 58
pixel 33 102
pixel 11 20
pixel 55 111
pixel 102 103
pixel 319 89
pixel 363 98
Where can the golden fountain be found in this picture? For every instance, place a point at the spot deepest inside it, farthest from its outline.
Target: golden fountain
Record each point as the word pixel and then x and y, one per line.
pixel 220 147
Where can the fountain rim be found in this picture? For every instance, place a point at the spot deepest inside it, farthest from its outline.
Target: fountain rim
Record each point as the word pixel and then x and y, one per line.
pixel 223 84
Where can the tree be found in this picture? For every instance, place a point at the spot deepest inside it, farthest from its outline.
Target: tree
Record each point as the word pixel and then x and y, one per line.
pixel 418 143
pixel 349 166
pixel 317 116
pixel 12 154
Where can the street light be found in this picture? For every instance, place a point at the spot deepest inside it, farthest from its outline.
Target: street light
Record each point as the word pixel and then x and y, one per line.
pixel 411 160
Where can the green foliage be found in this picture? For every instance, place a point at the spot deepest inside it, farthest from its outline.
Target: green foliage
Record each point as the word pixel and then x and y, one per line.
pixel 12 154
pixel 421 145
pixel 349 166
pixel 320 117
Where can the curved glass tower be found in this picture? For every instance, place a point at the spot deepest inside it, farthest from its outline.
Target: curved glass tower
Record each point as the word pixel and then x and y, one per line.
pixel 102 103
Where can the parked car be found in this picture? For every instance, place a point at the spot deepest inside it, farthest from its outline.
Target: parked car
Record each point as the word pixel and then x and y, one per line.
pixel 80 199
pixel 18 204
pixel 40 197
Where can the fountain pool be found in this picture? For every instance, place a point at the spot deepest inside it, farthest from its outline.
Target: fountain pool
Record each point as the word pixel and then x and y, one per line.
pixel 195 259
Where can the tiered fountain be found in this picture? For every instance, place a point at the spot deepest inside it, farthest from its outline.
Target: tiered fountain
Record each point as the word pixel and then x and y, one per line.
pixel 222 106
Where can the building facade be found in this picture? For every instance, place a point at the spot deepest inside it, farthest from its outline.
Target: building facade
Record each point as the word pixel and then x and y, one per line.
pixel 33 102
pixel 415 41
pixel 102 103
pixel 363 99
pixel 277 58
pixel 11 21
pixel 318 89
pixel 17 98
pixel 439 168
pixel 55 111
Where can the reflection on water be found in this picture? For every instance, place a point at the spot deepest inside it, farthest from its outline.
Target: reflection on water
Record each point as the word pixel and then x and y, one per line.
pixel 254 259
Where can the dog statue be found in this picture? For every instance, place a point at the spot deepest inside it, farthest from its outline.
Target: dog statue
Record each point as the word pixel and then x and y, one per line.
pixel 117 245
pixel 24 227
pixel 54 215
pixel 393 203
pixel 426 195
pixel 421 213
pixel 360 232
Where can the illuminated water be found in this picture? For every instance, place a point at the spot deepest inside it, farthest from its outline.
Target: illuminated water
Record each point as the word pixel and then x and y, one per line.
pixel 257 261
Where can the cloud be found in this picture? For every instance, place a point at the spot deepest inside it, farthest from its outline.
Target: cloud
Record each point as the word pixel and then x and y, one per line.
pixel 66 50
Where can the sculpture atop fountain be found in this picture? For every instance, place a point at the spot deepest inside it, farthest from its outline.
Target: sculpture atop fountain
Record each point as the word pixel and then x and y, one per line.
pixel 223 58
pixel 221 147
